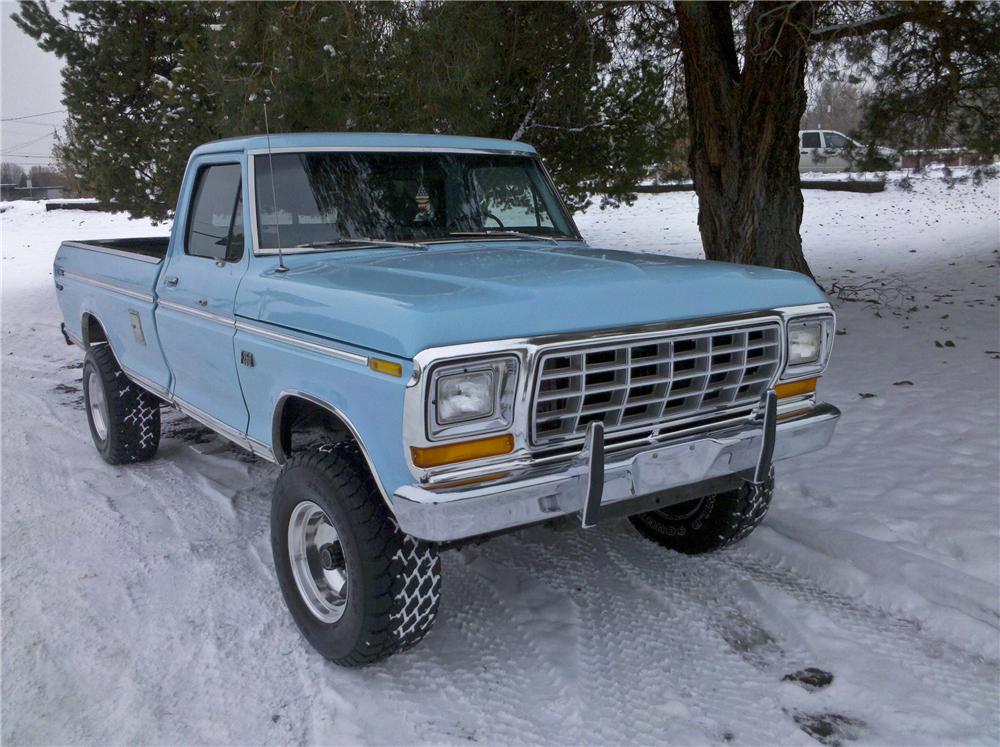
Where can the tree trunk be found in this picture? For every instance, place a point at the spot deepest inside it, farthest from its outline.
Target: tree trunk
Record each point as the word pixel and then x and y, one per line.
pixel 744 153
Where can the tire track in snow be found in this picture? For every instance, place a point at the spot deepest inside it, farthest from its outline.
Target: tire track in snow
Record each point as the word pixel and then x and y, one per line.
pixel 967 682
pixel 648 666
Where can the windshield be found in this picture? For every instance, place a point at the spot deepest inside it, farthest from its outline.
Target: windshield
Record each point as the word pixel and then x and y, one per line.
pixel 332 197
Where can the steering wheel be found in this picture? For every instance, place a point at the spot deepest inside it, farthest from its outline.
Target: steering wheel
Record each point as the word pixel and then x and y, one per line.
pixel 493 217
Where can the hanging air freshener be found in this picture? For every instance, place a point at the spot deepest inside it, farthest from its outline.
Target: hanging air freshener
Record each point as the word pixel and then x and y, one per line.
pixel 422 197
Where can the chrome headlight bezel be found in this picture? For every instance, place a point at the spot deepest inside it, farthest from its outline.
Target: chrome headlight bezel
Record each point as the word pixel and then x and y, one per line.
pixel 501 372
pixel 823 324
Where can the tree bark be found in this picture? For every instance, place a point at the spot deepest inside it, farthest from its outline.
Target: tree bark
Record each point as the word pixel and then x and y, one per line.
pixel 744 123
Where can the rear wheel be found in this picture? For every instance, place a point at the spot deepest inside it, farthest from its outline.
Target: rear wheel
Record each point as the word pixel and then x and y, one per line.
pixel 708 523
pixel 358 587
pixel 124 418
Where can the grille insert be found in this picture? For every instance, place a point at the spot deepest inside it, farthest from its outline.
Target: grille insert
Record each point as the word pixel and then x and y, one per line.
pixel 650 382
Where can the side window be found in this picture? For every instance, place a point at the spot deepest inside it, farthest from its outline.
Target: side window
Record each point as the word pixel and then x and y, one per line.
pixel 810 140
pixel 835 140
pixel 215 223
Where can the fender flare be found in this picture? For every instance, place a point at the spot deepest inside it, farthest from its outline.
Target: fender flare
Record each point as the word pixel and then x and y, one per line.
pixel 279 452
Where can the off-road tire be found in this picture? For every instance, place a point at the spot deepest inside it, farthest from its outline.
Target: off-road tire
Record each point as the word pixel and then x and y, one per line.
pixel 133 414
pixel 710 523
pixel 393 579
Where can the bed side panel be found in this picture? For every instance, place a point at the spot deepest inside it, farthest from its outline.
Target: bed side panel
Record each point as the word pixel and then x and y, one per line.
pixel 117 289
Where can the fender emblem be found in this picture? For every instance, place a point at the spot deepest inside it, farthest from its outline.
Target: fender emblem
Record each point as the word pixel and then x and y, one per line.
pixel 246 358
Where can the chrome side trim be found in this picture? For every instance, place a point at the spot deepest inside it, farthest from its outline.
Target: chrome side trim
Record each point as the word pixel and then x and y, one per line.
pixel 222 429
pixel 279 453
pixel 225 321
pixel 147 384
pixel 106 286
pixel 73 338
pixel 116 252
pixel 344 355
pixel 261 449
pixel 252 445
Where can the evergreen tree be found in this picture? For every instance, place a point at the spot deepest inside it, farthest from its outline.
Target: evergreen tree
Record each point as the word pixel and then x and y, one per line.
pixel 129 129
pixel 146 82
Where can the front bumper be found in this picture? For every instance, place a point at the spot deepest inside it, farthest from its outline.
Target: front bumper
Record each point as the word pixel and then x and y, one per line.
pixel 627 482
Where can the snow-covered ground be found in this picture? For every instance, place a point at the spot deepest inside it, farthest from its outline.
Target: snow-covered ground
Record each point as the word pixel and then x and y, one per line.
pixel 139 604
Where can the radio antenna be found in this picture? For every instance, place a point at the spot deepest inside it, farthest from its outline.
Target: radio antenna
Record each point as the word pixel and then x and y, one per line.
pixel 274 196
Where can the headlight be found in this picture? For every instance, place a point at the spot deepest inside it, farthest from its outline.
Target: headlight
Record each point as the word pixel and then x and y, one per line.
pixel 471 398
pixel 809 343
pixel 465 396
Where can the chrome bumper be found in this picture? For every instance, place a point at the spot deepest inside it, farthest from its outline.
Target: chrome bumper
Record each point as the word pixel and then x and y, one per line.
pixel 624 483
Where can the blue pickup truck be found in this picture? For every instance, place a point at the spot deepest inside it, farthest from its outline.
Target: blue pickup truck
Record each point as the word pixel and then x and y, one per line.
pixel 413 327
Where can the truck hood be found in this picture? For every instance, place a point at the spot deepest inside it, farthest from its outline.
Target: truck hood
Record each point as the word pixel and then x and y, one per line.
pixel 401 302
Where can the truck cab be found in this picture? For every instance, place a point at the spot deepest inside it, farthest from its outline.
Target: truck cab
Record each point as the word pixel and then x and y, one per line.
pixel 414 329
pixel 831 151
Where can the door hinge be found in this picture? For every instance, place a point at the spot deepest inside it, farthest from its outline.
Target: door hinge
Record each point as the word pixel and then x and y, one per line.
pixel 246 358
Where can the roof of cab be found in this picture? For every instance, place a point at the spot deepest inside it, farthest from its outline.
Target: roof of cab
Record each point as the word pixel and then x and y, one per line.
pixel 362 141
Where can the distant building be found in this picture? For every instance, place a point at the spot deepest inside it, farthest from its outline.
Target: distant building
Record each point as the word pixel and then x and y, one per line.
pixel 917 159
pixel 26 190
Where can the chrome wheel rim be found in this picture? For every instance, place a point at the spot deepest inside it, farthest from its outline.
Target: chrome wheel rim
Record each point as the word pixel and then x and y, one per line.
pixel 318 563
pixel 98 406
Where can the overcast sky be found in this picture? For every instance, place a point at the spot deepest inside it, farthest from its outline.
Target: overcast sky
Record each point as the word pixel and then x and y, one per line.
pixel 29 84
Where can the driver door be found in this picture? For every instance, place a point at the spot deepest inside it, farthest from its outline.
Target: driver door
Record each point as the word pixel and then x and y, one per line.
pixel 837 151
pixel 196 292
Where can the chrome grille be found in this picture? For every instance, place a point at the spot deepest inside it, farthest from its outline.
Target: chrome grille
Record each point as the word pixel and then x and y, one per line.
pixel 652 382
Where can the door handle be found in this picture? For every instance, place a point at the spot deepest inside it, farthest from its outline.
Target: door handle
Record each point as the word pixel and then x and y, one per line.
pixel 171 281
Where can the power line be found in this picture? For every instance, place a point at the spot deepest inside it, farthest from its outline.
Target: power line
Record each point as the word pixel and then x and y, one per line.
pixel 37 124
pixel 35 140
pixel 32 116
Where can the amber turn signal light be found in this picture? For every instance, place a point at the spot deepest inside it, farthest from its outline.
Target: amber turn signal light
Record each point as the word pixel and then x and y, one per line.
pixel 795 388
pixel 435 456
pixel 386 367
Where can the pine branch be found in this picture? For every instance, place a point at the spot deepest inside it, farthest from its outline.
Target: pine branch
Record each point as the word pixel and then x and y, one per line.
pixel 885 22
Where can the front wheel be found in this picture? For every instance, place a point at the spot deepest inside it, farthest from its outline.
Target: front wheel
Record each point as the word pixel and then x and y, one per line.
pixel 708 523
pixel 358 587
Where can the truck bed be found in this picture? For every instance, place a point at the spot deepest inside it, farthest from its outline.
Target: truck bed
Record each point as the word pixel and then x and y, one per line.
pixel 113 283
pixel 151 249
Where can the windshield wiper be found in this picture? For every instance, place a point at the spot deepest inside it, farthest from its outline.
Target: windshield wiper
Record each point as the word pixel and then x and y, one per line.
pixel 505 232
pixel 374 243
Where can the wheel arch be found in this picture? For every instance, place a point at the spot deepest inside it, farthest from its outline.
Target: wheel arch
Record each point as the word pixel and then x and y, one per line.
pixel 92 330
pixel 291 403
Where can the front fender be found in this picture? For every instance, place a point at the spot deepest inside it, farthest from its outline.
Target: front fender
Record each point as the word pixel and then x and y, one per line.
pixel 338 378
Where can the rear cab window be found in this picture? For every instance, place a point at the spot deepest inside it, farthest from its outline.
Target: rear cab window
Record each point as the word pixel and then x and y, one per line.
pixel 215 223
pixel 810 140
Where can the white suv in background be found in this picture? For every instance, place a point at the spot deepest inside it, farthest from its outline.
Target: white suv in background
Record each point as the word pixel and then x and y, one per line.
pixel 828 150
